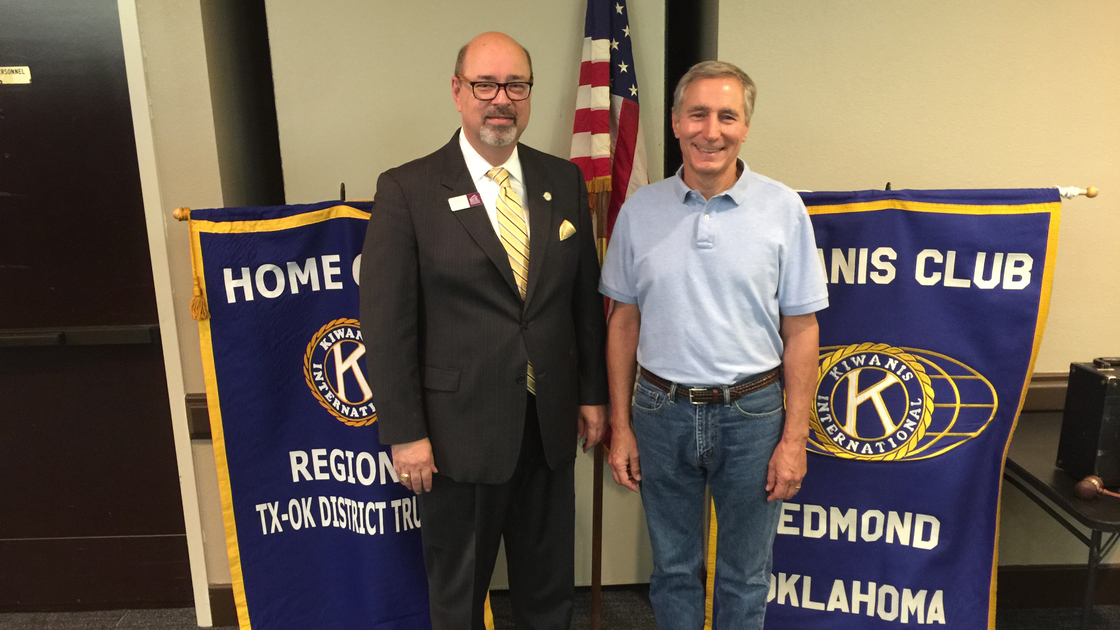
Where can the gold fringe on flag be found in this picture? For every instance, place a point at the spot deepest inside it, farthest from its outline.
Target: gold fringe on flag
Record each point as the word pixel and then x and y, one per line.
pixel 595 189
pixel 599 184
pixel 599 209
pixel 199 310
pixel 599 197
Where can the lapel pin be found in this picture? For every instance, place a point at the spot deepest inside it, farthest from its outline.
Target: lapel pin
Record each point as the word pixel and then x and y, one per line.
pixel 547 196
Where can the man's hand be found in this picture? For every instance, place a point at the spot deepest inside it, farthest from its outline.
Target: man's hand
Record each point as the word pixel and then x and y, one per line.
pixel 623 329
pixel 592 423
pixel 624 458
pixel 414 464
pixel 800 335
pixel 787 469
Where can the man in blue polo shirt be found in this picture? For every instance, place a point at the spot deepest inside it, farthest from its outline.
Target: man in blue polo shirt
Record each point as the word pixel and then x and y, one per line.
pixel 716 283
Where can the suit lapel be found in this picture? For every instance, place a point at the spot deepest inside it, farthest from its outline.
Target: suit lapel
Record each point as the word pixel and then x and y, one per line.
pixel 540 216
pixel 456 180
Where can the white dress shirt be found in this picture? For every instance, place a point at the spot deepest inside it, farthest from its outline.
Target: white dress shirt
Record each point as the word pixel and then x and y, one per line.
pixel 487 188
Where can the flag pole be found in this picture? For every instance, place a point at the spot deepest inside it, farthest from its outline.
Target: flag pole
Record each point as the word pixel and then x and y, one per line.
pixel 597 540
pixel 607 146
pixel 599 203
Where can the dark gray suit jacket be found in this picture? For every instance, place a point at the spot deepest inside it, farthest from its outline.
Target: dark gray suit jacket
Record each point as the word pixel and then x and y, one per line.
pixel 447 334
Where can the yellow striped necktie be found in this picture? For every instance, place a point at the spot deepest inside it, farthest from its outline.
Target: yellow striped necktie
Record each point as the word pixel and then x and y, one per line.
pixel 515 238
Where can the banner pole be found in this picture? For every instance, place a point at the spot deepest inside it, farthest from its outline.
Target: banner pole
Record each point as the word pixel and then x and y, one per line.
pixel 1069 192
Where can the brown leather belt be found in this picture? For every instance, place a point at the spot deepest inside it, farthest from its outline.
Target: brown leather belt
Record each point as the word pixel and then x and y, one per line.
pixel 706 395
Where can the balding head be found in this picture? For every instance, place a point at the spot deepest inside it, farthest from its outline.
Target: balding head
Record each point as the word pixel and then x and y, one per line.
pixel 492 126
pixel 491 38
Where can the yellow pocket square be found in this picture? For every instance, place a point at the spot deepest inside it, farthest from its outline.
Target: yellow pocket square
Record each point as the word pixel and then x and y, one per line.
pixel 566 230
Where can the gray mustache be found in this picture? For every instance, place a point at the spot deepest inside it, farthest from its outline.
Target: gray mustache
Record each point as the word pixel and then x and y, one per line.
pixel 503 112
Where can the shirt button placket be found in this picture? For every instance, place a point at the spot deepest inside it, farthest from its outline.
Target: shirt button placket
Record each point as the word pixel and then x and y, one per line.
pixel 705 234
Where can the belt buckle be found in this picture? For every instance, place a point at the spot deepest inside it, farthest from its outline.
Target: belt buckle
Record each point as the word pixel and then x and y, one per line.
pixel 694 391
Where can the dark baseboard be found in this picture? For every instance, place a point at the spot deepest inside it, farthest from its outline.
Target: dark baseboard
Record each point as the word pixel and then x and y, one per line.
pixel 1055 586
pixel 223 611
pixel 198 417
pixel 1047 392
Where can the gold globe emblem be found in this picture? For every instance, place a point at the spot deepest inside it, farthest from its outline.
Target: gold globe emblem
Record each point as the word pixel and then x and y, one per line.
pixel 876 402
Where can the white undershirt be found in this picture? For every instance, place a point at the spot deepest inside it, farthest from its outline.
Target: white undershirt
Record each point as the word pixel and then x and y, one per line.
pixel 487 188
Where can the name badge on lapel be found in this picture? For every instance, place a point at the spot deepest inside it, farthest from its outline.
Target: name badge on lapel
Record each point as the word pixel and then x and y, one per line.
pixel 463 202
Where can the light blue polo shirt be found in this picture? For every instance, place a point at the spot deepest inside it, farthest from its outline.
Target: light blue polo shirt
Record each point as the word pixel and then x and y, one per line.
pixel 712 277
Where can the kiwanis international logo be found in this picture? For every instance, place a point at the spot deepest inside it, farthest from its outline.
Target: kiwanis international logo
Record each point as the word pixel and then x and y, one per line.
pixel 875 402
pixel 334 374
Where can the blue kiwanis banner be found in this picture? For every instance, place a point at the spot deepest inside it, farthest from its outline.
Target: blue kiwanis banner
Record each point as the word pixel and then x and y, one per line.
pixel 937 306
pixel 319 533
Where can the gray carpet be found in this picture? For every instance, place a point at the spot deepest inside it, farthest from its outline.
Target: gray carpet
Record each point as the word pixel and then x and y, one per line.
pixel 155 619
pixel 1104 618
pixel 624 608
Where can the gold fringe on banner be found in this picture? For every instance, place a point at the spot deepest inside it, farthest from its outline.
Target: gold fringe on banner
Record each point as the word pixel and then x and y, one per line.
pixel 199 310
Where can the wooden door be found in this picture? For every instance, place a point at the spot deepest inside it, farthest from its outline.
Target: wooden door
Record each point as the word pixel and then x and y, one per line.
pixel 90 509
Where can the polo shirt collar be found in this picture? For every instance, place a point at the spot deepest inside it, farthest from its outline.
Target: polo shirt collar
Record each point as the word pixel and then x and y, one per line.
pixel 737 192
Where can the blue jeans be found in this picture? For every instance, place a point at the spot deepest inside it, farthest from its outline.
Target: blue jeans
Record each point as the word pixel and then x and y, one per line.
pixel 684 447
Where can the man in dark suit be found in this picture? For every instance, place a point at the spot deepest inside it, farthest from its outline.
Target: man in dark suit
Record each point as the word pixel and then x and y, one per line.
pixel 485 341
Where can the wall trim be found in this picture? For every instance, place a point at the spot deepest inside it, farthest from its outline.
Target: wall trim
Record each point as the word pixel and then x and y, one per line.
pixel 198 417
pixel 1047 392
pixel 155 219
pixel 1054 586
pixel 223 610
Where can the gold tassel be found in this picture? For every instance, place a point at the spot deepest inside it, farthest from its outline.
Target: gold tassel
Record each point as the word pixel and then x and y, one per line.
pixel 199 310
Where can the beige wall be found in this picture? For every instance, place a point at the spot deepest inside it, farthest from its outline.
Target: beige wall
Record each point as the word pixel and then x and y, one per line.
pixel 951 94
pixel 852 94
pixel 955 94
pixel 362 87
pixel 365 86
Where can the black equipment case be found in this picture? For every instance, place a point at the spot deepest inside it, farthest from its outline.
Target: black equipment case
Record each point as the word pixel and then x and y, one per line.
pixel 1090 439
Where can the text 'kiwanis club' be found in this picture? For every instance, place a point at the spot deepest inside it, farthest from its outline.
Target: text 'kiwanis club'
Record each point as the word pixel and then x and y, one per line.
pixel 932 267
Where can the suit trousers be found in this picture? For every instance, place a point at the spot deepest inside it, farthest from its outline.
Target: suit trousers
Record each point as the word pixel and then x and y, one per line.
pixel 463 524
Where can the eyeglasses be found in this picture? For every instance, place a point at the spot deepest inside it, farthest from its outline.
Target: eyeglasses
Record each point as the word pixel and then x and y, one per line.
pixel 488 90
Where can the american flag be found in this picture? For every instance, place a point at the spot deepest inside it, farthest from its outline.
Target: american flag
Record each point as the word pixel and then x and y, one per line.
pixel 606 139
